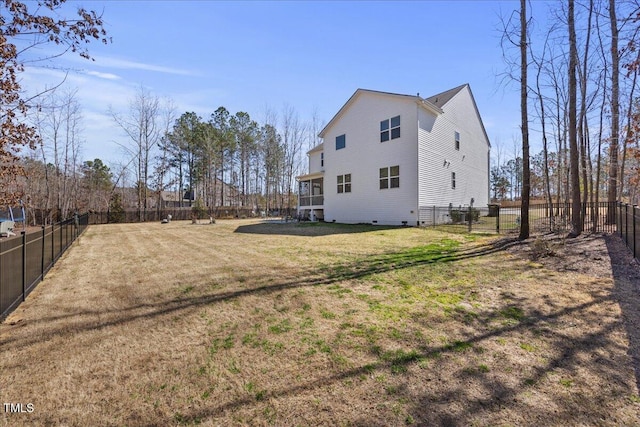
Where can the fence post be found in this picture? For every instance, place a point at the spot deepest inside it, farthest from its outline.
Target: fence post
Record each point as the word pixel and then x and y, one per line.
pixel 498 220
pixel 76 227
pixel 633 218
pixel 626 225
pixel 24 264
pixel 42 263
pixel 619 205
pixel 434 216
pixel 53 244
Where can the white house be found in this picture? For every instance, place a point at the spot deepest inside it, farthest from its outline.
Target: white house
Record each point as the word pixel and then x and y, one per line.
pixel 388 158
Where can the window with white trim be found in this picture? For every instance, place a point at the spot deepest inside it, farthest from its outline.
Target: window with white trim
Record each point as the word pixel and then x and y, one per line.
pixel 344 183
pixel 457 136
pixel 390 129
pixel 389 177
pixel 453 180
pixel 322 159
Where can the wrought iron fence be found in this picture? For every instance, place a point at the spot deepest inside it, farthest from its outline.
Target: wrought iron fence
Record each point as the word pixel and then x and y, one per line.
pixel 25 259
pixel 543 218
pixel 628 220
pixel 182 214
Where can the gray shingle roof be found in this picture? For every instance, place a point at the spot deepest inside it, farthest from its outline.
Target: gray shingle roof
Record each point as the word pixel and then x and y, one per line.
pixel 443 97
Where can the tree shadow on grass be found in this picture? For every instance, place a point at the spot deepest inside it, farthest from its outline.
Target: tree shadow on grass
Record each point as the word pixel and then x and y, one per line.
pixel 308 229
pixel 431 407
pixel 502 400
pixel 626 291
pixel 430 254
pixel 434 408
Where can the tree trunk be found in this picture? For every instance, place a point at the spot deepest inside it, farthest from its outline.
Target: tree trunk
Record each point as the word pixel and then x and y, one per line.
pixel 615 112
pixel 526 175
pixel 629 131
pixel 576 219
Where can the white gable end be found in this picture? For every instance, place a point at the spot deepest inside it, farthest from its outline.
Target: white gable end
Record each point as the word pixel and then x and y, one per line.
pixel 364 155
pixel 441 158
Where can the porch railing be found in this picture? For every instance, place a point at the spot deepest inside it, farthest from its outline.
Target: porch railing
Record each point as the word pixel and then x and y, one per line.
pixel 312 200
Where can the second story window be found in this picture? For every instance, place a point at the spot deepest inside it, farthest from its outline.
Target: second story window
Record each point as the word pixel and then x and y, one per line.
pixel 390 129
pixel 322 159
pixel 341 142
pixel 457 136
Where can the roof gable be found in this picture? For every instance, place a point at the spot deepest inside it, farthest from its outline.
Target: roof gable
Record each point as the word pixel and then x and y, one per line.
pixel 433 103
pixel 443 97
pixel 415 98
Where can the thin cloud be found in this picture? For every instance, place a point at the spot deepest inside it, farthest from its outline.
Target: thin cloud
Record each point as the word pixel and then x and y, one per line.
pixel 133 65
pixel 106 76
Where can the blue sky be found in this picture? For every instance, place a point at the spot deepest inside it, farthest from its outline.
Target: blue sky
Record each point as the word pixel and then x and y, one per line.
pixel 312 56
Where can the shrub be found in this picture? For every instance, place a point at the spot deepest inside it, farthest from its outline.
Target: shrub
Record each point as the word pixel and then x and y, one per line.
pixel 462 215
pixel 116 210
pixel 198 210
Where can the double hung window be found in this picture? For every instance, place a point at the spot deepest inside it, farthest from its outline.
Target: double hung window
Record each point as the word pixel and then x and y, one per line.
pixel 344 183
pixel 389 177
pixel 390 129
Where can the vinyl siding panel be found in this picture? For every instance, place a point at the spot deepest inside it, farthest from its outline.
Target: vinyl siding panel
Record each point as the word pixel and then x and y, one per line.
pixel 364 155
pixel 438 157
pixel 315 162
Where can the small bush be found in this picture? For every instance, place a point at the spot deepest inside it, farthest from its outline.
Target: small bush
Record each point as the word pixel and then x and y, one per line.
pixel 116 210
pixel 462 215
pixel 541 248
pixel 198 210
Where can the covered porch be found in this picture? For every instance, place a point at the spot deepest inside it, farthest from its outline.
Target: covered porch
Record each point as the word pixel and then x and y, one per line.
pixel 311 196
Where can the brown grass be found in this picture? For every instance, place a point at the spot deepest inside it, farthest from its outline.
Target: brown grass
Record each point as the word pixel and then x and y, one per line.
pixel 242 323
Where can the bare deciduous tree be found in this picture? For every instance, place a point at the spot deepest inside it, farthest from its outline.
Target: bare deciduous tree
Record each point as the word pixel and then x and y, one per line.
pixel 615 111
pixel 524 117
pixel 141 125
pixel 574 158
pixel 58 122
pixel 25 27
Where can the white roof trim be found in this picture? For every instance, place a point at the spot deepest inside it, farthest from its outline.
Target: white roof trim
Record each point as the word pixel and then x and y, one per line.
pixel 422 102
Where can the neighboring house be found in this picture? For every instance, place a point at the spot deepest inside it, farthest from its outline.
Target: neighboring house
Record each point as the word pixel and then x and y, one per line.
pixel 225 195
pixel 173 199
pixel 387 158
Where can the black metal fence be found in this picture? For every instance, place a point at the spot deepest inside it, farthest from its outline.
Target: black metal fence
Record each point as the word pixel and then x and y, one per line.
pixel 543 218
pixel 136 216
pixel 181 214
pixel 25 259
pixel 628 219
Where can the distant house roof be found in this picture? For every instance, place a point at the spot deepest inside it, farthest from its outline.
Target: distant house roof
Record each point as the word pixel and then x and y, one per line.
pixel 171 196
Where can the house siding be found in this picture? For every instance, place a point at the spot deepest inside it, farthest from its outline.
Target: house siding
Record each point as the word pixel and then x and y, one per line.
pixel 425 152
pixel 364 155
pixel 315 162
pixel 438 157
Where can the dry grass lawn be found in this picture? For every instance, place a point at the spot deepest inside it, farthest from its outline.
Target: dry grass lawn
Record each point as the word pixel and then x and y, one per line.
pixel 243 323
